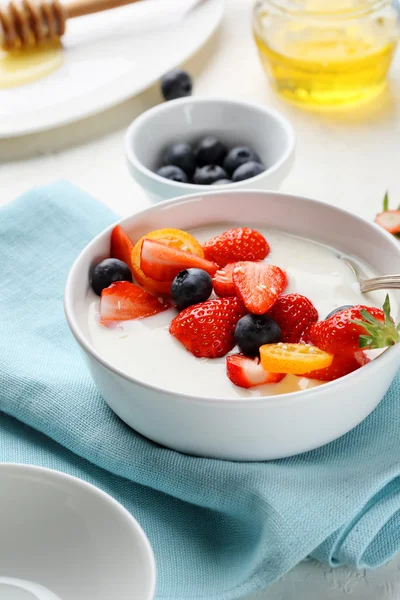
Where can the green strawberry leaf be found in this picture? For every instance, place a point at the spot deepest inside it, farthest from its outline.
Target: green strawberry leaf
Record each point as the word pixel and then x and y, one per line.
pixel 365 341
pixel 381 335
pixel 386 202
pixel 369 318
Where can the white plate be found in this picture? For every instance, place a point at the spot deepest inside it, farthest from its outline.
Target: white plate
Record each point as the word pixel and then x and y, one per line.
pixel 103 67
pixel 56 537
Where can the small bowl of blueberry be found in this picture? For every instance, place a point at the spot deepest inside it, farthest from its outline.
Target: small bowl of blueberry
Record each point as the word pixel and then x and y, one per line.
pixel 190 144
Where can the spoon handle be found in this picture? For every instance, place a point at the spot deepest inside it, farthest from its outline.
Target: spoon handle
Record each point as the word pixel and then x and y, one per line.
pixel 387 282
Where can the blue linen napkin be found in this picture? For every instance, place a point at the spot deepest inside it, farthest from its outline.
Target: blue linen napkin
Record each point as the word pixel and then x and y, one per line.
pixel 219 529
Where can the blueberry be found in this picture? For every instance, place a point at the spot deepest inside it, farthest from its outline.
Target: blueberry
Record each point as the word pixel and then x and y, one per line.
pixel 222 182
pixel 181 155
pixel 173 173
pixel 191 286
pixel 238 156
pixel 107 272
pixel 210 151
pixel 247 170
pixel 209 174
pixel 253 331
pixel 176 84
pixel 346 306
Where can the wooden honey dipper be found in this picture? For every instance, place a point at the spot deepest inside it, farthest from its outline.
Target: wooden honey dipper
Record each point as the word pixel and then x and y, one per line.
pixel 29 23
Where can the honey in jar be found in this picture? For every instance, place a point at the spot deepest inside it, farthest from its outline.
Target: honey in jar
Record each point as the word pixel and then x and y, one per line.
pixel 326 52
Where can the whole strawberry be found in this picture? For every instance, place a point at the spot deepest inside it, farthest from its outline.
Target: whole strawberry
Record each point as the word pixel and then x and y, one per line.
pixel 236 245
pixel 343 364
pixel 354 328
pixel 294 314
pixel 207 329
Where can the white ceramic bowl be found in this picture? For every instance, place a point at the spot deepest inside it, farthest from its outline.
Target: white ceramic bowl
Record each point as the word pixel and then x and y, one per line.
pixel 189 119
pixel 242 429
pixel 64 539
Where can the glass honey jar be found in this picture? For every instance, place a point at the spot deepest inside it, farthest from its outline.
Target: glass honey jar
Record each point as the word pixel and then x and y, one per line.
pixel 326 52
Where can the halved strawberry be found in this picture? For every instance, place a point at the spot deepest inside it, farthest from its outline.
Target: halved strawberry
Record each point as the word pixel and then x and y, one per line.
pixel 258 285
pixel 121 245
pixel 223 282
pixel 163 262
pixel 237 244
pixel 207 329
pixel 247 372
pixel 389 220
pixel 123 301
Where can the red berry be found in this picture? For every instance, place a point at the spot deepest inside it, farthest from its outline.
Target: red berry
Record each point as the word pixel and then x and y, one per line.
pixel 207 329
pixel 342 365
pixel 258 285
pixel 162 262
pixel 339 334
pixel 121 245
pixel 294 314
pixel 389 220
pixel 236 245
pixel 123 301
pixel 247 372
pixel 223 282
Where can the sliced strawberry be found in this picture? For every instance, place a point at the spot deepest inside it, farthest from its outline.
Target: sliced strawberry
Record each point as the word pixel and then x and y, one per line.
pixel 123 301
pixel 342 365
pixel 236 244
pixel 121 245
pixel 163 262
pixel 207 329
pixel 258 285
pixel 294 314
pixel 223 282
pixel 247 372
pixel 389 220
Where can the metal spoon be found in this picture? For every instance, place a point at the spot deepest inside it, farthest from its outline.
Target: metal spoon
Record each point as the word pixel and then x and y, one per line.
pixel 386 282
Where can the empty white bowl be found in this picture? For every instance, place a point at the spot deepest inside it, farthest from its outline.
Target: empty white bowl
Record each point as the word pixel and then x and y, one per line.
pixel 235 428
pixel 64 539
pixel 234 122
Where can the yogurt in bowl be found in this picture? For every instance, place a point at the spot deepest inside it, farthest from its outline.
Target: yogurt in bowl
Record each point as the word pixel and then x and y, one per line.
pixel 188 403
pixel 144 348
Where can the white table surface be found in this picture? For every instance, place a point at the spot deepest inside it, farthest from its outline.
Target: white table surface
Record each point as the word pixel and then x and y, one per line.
pixel 345 158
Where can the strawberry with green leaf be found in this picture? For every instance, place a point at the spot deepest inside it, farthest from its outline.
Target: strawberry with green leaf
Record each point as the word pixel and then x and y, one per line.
pixel 353 328
pixel 389 219
pixel 379 334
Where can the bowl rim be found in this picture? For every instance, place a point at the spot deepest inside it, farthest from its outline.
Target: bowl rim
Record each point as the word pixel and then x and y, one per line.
pixel 143 119
pixel 370 369
pixel 71 480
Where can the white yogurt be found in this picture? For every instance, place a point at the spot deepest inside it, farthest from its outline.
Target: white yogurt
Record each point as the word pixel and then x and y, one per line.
pixel 145 350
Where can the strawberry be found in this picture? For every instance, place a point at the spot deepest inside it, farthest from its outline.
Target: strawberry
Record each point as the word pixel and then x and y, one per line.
pixel 342 365
pixel 294 314
pixel 359 327
pixel 223 282
pixel 258 285
pixel 123 301
pixel 207 329
pixel 247 372
pixel 121 245
pixel 236 244
pixel 389 219
pixel 362 358
pixel 162 262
